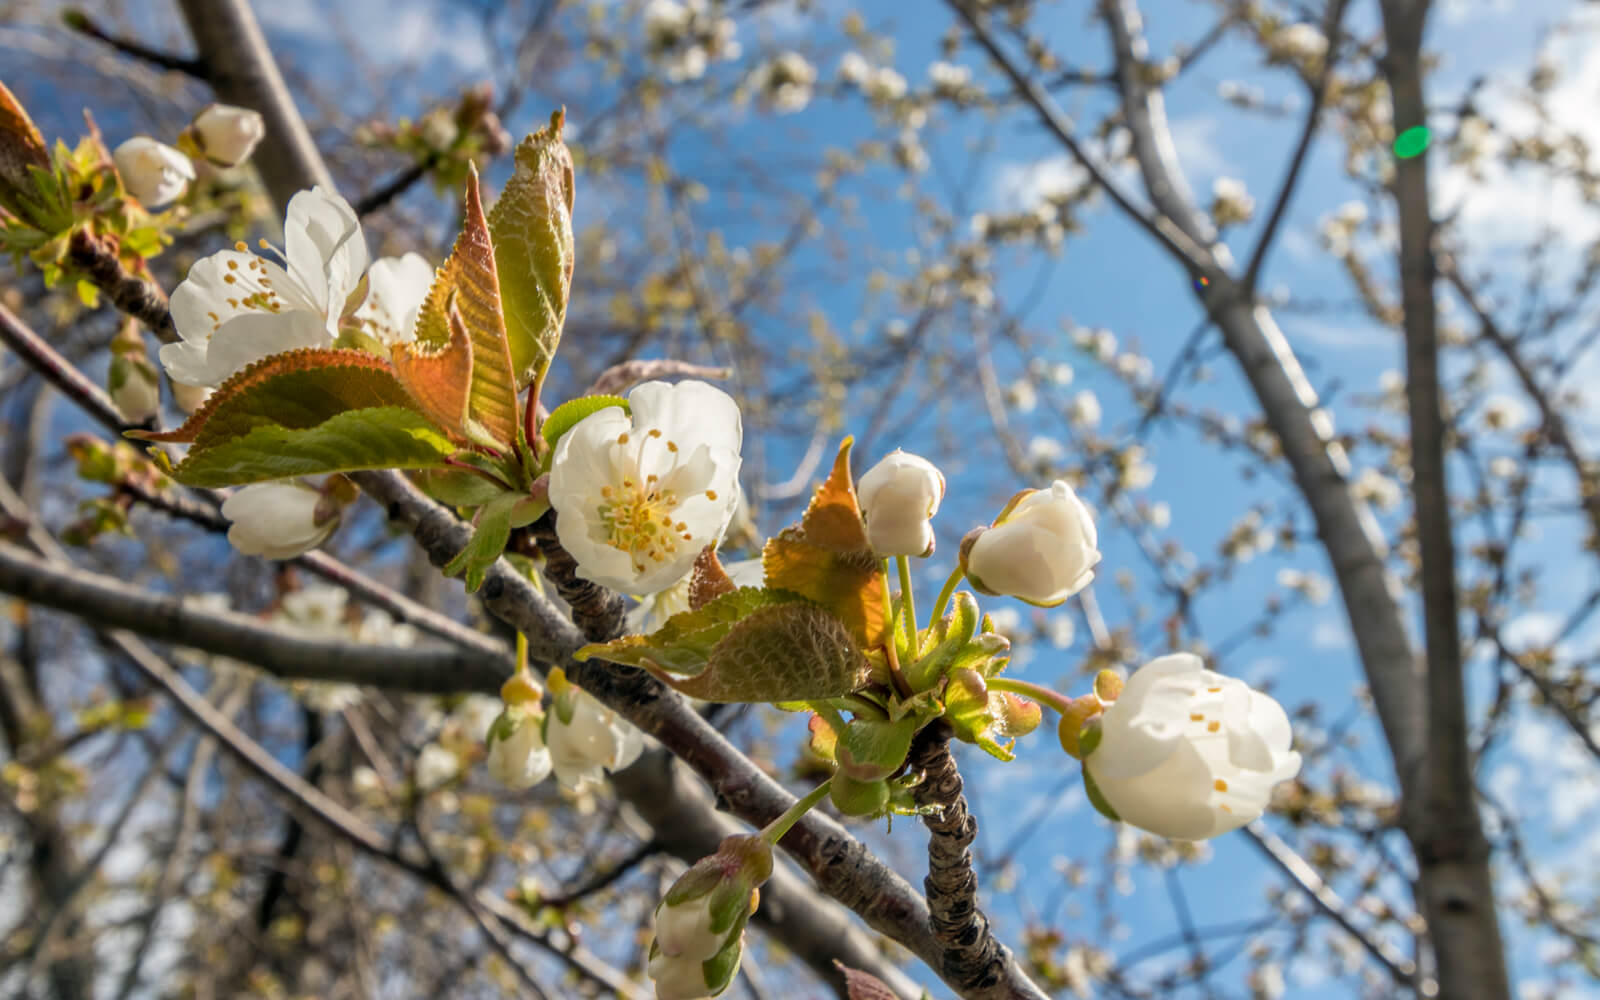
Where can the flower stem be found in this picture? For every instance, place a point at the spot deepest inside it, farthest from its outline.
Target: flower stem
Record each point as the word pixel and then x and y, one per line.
pixel 945 594
pixel 1045 696
pixel 522 653
pixel 774 831
pixel 908 604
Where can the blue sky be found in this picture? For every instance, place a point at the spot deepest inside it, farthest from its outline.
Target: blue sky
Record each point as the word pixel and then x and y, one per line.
pixel 1111 276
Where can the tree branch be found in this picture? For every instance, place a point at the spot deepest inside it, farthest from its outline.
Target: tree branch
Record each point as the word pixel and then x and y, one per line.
pixel 974 962
pixel 1331 22
pixel 432 669
pixel 1454 884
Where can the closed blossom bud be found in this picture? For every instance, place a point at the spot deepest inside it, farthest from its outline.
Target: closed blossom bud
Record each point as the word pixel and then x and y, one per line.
pixel 279 520
pixel 1187 753
pixel 517 754
pixel 227 135
pixel 586 738
pixel 899 497
pixel 131 379
pixel 700 922
pixel 152 172
pixel 1041 550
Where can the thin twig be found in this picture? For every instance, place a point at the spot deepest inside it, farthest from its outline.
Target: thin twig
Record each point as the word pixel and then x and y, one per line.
pixel 80 22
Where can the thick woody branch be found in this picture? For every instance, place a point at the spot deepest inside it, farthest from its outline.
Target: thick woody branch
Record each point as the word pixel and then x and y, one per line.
pixel 432 669
pixel 974 961
pixel 1455 889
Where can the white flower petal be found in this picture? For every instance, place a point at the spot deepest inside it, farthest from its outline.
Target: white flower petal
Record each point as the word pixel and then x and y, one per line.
pixel 244 340
pixel 396 288
pixel 326 251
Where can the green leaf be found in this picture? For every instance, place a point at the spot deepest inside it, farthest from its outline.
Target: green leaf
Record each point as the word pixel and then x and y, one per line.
pixel 788 652
pixel 457 487
pixel 870 749
pixel 460 367
pixel 826 558
pixel 531 226
pixel 489 537
pixel 568 414
pixel 683 644
pixel 1097 798
pixel 296 390
pixel 384 437
pixel 943 640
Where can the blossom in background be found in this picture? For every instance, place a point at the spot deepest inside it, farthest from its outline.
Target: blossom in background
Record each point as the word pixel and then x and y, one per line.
pixel 1299 43
pixel 585 738
pixel 279 520
pixel 899 497
pixel 784 83
pixel 436 766
pixel 152 172
pixel 1084 410
pixel 517 754
pixel 1041 550
pixel 1187 753
pixel 227 135
pixel 236 308
pixel 1231 203
pixel 637 498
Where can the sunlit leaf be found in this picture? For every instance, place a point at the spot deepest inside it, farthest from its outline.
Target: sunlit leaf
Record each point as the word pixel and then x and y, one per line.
pixel 460 331
pixel 384 437
pixel 826 557
pixel 794 651
pixel 295 390
pixel 708 580
pixel 569 414
pixel 683 644
pixel 531 225
pixel 490 533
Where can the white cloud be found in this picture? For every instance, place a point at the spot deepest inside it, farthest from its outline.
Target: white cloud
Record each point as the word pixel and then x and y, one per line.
pixel 1330 633
pixel 1199 153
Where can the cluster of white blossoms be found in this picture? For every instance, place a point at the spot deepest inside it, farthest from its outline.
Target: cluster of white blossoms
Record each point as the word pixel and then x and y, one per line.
pixel 157 174
pixel 235 308
pixel 1231 203
pixel 688 36
pixel 784 82
pixel 880 84
pixel 640 492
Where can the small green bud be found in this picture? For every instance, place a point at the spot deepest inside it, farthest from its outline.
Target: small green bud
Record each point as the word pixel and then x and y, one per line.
pixel 859 798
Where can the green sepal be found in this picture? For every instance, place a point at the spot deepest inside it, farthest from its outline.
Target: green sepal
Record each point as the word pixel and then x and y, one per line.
pixel 385 437
pixel 718 970
pixel 1089 738
pixel 489 537
pixel 869 749
pixel 941 642
pixel 566 416
pixel 859 798
pixel 1097 798
pixel 503 728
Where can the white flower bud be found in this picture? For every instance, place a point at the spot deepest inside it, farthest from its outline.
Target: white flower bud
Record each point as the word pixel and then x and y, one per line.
pixel 678 978
pixel 685 931
pixel 1189 754
pixel 189 397
pixel 1041 551
pixel 227 135
pixel 586 739
pixel 517 754
pixel 134 387
pixel 899 497
pixel 278 520
pixel 152 172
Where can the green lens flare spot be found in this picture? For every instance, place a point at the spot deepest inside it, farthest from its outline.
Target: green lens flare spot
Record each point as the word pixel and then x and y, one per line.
pixel 1412 142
